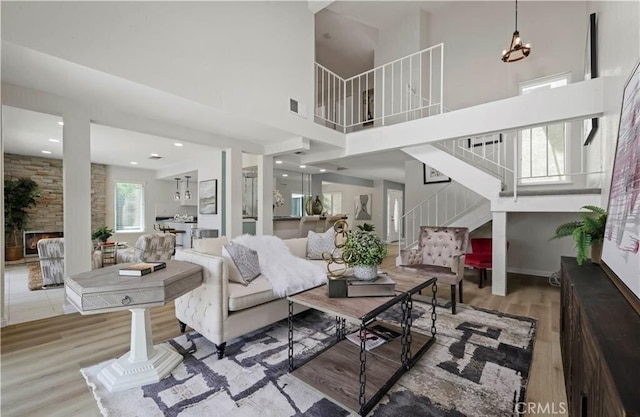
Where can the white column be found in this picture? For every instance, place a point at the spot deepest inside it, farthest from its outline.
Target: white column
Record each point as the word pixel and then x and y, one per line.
pixel 76 185
pixel 141 336
pixel 233 206
pixel 264 225
pixel 499 271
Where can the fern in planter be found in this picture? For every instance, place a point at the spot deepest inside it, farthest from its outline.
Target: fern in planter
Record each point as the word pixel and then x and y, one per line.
pixel 588 232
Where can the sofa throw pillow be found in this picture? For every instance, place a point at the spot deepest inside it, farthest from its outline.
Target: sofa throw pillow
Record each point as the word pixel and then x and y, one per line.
pixel 246 260
pixel 210 246
pixel 318 243
pixel 234 272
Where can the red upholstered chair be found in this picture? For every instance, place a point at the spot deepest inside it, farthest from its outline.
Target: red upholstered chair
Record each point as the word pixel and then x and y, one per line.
pixel 481 257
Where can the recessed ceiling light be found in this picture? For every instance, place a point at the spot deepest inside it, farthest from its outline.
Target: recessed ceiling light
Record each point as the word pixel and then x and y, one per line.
pixel 303 166
pixel 54 140
pixel 133 163
pixel 61 123
pixel 278 162
pixel 285 175
pixel 46 152
pixel 155 155
pixel 178 144
pixel 323 170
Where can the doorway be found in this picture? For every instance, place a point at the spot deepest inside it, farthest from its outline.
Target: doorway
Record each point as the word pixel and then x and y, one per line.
pixel 394 212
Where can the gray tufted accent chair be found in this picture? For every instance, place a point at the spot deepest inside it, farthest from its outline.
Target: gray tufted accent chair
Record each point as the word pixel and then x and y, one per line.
pixel 440 254
pixel 51 257
pixel 150 247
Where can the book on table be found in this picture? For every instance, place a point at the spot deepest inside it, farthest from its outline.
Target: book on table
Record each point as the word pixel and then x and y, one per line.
pixel 374 336
pixel 142 268
pixel 382 286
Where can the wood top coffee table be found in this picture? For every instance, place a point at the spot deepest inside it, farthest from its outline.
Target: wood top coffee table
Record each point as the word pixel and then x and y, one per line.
pixel 103 290
pixel 335 369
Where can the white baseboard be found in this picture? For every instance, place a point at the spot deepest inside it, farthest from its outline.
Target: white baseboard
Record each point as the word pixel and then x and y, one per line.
pixel 536 272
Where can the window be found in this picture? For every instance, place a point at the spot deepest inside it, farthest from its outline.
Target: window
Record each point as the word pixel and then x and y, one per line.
pixel 543 149
pixel 129 210
pixel 332 203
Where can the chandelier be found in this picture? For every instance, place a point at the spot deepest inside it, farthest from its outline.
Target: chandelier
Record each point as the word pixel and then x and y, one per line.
pixel 516 51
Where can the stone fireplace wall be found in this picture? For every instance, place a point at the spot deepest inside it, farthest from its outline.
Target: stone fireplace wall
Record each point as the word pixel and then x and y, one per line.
pixel 47 172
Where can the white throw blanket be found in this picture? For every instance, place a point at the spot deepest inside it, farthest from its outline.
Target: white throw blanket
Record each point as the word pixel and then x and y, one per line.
pixel 287 273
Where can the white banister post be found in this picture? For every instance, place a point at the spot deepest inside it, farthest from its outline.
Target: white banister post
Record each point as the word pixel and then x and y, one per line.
pixel 442 78
pixel 515 167
pixel 499 255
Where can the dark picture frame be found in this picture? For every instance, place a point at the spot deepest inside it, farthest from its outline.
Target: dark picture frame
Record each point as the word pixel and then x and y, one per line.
pixel 472 144
pixel 591 126
pixel 621 245
pixel 433 176
pixel 208 197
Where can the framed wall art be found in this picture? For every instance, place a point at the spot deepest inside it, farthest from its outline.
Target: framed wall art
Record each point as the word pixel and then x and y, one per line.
pixel 433 176
pixel 621 246
pixel 208 197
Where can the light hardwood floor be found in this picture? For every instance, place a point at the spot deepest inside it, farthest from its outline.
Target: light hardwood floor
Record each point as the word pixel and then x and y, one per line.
pixel 41 360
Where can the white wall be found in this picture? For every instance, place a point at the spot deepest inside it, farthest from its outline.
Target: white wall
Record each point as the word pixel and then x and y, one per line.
pixel 241 58
pixel 475 74
pixel 415 189
pixel 618 50
pixel 530 251
pixel 405 37
pixel 349 194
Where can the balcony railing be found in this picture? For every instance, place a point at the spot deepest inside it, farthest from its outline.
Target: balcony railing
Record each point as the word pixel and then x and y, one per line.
pixel 442 208
pixel 501 155
pixel 406 89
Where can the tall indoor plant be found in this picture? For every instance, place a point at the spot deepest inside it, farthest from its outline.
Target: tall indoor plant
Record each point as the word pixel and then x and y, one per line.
pixel 364 250
pixel 588 232
pixel 19 195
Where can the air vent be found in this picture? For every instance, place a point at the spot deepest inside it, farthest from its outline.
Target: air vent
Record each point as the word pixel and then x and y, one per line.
pixel 341 168
pixel 298 108
pixel 300 153
pixel 293 105
pixel 155 157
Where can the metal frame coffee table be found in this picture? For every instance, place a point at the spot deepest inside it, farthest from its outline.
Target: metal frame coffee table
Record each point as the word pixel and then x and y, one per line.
pixel 333 369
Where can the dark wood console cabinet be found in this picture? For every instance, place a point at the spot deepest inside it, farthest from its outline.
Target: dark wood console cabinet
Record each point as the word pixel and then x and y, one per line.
pixel 600 344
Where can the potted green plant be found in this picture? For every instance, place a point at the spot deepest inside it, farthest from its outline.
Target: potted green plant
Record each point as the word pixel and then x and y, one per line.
pixel 19 195
pixel 364 250
pixel 588 232
pixel 101 234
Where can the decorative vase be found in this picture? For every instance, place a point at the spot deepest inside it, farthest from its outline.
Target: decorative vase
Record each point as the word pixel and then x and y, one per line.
pixel 596 252
pixel 308 207
pixel 316 206
pixel 365 272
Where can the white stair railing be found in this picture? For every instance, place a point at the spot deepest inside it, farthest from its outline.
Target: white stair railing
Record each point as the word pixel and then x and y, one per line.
pixel 440 209
pixel 500 155
pixel 405 89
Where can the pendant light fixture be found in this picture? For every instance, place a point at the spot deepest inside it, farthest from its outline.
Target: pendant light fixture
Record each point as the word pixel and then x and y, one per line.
pixel 187 193
pixel 176 196
pixel 516 51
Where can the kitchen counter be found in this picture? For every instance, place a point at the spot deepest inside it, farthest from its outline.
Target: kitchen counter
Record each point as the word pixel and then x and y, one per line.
pixel 172 220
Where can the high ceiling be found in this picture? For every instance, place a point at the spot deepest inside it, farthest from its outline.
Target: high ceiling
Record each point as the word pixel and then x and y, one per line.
pixel 347 29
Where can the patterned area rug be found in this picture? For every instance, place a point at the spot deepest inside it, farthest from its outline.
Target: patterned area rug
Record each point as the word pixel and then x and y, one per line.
pixel 479 366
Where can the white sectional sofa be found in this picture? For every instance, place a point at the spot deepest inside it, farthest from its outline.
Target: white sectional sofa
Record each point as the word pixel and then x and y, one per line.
pixel 221 310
